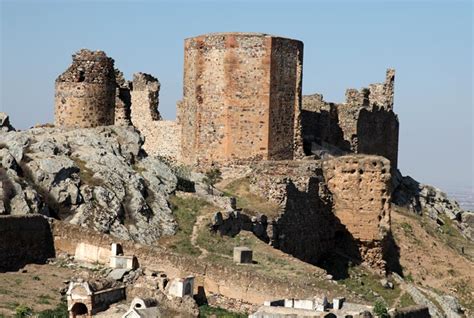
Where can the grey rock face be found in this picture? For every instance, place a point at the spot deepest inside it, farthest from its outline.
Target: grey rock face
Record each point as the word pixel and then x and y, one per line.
pixel 421 197
pixel 5 122
pixel 91 177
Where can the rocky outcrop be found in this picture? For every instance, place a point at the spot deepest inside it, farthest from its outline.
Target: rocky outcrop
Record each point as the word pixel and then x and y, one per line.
pixel 95 177
pixel 421 198
pixel 5 122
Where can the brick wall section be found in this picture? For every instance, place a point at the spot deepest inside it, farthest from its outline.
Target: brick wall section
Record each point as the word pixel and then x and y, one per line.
pixel 85 92
pixel 237 86
pixel 161 137
pixel 23 240
pixel 360 188
pixel 364 124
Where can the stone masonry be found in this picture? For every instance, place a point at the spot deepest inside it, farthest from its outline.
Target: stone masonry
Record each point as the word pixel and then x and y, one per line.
pixel 122 100
pixel 162 137
pixel 341 203
pixel 85 92
pixel 364 124
pixel 242 95
pixel 360 188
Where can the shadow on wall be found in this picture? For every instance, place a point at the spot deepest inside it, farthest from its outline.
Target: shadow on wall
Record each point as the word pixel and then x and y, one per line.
pixel 24 240
pixel 306 228
pixel 323 128
pixel 385 141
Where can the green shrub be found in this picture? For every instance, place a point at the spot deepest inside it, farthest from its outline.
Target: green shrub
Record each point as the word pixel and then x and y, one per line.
pixel 23 311
pixel 380 309
pixel 212 177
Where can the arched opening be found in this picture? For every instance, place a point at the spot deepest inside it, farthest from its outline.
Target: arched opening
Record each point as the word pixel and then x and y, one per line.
pixel 79 310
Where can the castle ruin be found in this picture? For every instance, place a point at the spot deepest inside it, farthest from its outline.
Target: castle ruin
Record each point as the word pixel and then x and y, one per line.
pixel 242 104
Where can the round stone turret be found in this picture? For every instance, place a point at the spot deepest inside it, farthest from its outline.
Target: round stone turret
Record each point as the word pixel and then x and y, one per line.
pixel 85 92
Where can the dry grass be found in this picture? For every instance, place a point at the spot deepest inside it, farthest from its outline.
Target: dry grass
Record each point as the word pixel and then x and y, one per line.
pixel 248 201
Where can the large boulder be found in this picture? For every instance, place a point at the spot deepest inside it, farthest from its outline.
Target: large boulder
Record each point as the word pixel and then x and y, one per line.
pixel 97 177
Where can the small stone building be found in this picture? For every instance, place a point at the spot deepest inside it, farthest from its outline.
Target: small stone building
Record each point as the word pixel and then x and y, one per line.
pixel 85 300
pixel 85 92
pixel 242 95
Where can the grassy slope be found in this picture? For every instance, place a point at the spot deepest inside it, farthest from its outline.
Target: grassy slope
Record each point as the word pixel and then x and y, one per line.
pixel 431 255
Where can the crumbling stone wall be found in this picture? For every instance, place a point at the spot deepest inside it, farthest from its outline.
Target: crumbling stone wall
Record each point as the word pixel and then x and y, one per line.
pixel 242 94
pixel 360 189
pixel 24 239
pixel 338 204
pixel 123 100
pixel 85 92
pixel 364 124
pixel 161 137
pixel 306 226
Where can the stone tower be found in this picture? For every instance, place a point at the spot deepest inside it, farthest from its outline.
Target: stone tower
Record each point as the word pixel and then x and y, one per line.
pixel 242 97
pixel 85 92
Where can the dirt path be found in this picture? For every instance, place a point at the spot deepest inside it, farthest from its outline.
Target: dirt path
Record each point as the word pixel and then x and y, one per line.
pixel 194 235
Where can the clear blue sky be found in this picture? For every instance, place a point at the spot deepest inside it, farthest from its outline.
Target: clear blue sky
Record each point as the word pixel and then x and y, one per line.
pixel 347 44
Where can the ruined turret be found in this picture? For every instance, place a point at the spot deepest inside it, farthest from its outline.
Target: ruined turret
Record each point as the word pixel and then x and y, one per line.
pixel 85 92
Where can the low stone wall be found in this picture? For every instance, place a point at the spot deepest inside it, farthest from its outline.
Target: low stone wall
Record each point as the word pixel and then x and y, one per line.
pixel 237 282
pixel 24 239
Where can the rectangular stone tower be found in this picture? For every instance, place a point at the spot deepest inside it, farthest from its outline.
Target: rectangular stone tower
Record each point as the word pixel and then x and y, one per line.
pixel 241 99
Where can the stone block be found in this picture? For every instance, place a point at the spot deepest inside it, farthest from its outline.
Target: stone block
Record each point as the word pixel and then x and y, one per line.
pixel 243 255
pixel 121 261
pixel 337 303
pixel 180 287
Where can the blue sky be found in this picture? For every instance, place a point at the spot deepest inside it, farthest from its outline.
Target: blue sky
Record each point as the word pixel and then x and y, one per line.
pixel 348 44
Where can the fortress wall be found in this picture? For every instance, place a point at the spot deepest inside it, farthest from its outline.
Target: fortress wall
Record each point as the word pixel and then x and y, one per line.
pixel 341 203
pixel 122 100
pixel 230 106
pixel 162 137
pixel 85 92
pixel 364 124
pixel 360 189
pixel 306 226
pixel 285 93
pixel 24 239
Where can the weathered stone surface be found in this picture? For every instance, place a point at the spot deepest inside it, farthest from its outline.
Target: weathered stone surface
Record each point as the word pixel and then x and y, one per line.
pixel 421 198
pixel 91 177
pixel 162 137
pixel 361 195
pixel 24 239
pixel 5 122
pixel 364 124
pixel 241 97
pixel 85 92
